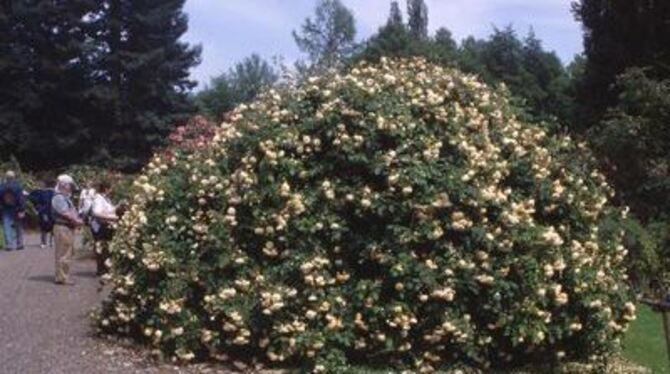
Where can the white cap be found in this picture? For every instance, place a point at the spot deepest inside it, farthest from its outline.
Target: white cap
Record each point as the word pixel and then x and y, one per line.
pixel 66 179
pixel 10 174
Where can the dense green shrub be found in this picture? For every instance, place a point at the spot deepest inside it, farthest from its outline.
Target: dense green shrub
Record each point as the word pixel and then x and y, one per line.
pixel 398 215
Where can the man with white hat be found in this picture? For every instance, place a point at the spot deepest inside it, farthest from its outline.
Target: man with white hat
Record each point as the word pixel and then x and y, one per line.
pixel 12 210
pixel 66 221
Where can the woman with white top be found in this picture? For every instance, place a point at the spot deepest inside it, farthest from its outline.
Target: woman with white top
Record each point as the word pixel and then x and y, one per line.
pixel 103 217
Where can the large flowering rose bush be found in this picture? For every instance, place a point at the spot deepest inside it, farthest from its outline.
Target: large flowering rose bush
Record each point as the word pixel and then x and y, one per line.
pixel 398 215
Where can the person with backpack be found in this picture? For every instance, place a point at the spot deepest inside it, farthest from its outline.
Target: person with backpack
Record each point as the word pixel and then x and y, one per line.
pixel 41 200
pixel 12 209
pixel 103 215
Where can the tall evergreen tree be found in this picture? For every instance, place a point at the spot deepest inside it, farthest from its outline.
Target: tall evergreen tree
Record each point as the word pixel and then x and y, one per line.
pixel 470 54
pixel 535 76
pixel 328 39
pixel 445 47
pixel 146 69
pixel 392 40
pixel 90 80
pixel 395 16
pixel 13 75
pixel 417 11
pixel 548 84
pixel 619 35
pixel 48 73
pixel 503 58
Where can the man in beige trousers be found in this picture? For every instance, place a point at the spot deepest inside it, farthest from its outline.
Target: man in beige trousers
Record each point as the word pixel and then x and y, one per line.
pixel 66 221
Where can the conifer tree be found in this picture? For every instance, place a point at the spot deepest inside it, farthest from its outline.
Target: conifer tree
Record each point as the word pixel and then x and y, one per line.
pixel 392 40
pixel 395 16
pixel 417 11
pixel 147 75
pixel 13 72
pixel 445 47
pixel 47 80
pixel 620 35
pixel 91 80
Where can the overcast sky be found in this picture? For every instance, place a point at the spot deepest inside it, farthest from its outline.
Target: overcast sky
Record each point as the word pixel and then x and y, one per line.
pixel 229 30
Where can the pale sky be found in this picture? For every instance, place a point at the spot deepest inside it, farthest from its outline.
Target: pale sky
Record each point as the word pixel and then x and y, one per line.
pixel 230 30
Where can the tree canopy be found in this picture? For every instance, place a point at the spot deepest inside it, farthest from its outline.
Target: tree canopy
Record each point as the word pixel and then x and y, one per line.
pixel 239 85
pixel 619 35
pixel 101 81
pixel 329 37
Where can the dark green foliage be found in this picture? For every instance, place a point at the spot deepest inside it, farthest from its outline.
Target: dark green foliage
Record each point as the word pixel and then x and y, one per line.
pixel 240 85
pixel 250 76
pixel 147 77
pixel 392 40
pixel 100 81
pixel 44 80
pixel 623 89
pixel 217 98
pixel 634 140
pixel 535 76
pixel 395 17
pixel 395 39
pixel 445 47
pixel 648 255
pixel 619 35
pixel 12 72
pixel 417 23
pixel 470 52
pixel 548 87
pixel 503 58
pixel 327 39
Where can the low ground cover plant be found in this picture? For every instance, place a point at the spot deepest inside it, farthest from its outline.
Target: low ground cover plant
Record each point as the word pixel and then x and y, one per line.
pixel 399 214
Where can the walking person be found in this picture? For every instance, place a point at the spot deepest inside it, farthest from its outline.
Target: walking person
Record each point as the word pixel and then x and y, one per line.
pixel 103 216
pixel 12 209
pixel 41 200
pixel 66 221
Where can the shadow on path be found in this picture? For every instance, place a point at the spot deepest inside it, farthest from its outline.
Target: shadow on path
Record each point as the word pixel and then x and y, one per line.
pixel 42 278
pixel 85 274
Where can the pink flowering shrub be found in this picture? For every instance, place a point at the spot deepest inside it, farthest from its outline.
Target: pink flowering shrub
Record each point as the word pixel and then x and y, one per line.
pixel 398 215
pixel 197 133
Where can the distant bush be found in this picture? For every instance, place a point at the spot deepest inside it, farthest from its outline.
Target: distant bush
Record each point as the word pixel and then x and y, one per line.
pixel 197 133
pixel 398 215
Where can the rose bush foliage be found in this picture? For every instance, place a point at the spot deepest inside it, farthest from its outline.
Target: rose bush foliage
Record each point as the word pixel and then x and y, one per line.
pixel 398 214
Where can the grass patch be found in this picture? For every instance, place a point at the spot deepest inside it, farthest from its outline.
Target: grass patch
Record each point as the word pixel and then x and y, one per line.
pixel 645 344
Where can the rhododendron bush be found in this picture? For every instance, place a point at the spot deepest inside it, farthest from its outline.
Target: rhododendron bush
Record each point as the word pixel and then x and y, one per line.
pixel 192 136
pixel 398 214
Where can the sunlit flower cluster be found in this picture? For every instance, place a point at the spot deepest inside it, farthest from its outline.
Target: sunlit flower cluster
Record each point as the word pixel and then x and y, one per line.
pixel 398 213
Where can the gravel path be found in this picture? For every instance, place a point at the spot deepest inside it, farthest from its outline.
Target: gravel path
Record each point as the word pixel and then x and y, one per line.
pixel 45 328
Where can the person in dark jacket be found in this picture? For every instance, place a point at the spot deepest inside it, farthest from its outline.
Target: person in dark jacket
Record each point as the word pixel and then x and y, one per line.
pixel 41 200
pixel 12 209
